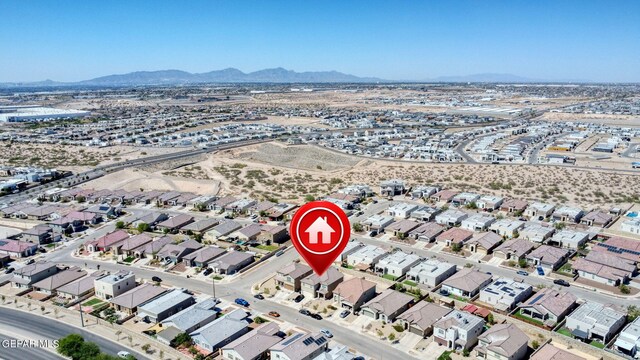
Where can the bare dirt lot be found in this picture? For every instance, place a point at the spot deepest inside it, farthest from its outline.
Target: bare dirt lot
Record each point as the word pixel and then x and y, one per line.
pixel 272 171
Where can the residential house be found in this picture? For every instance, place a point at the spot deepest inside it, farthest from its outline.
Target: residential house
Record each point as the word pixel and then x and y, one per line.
pixel 352 293
pixel 539 211
pixel 387 306
pixel 507 227
pixel 280 212
pixel 173 224
pixel 443 196
pixel 50 284
pixel 483 243
pixel 151 219
pixel 464 198
pixel 550 352
pixel 489 202
pixel 502 341
pixel 17 249
pixel 426 232
pixel 431 272
pixel 224 228
pixel 27 275
pixel 514 206
pixel 477 222
pixel 107 242
pixel 396 264
pixel 401 228
pixel 273 234
pixel 203 256
pixel 568 214
pixel 39 234
pixel 112 285
pixel 321 286
pixel 420 318
pixel 231 262
pixel 536 232
pixel 290 276
pixel 401 210
pixel 569 239
pixel 622 247
pixel 548 257
pixel 423 192
pixel 451 217
pixel 78 289
pixel 458 330
pixel 129 245
pixel 253 345
pixel 129 301
pixel 549 306
pixel 628 342
pixel 514 249
pixel 242 206
pixel 466 283
pixel 377 223
pixel 505 294
pixel 631 226
pixel 425 213
pixel 221 331
pixel 199 227
pixel 454 236
pixel 366 257
pixel 352 246
pixel 249 233
pixel 153 248
pixel 594 321
pixel 597 218
pixel 601 273
pixel 188 320
pixel 165 305
pixel 300 347
pixel 392 187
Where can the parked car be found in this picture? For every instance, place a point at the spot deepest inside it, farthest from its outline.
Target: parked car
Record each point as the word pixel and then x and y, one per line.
pixel 444 292
pixel 274 314
pixel 561 282
pixel 259 296
pixel 242 302
pixel 522 272
pixel 29 262
pixel 326 333
pixel 305 312
pixel 207 271
pixel 156 279
pixel 316 316
pixel 344 314
pixel 124 354
pixel 373 233
pixel 540 271
pixel 299 298
pixel 9 270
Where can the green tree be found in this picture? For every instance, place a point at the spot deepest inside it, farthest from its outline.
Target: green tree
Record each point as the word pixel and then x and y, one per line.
pixel 560 225
pixel 456 247
pixel 88 350
pixel 535 344
pixel 309 198
pixel 522 263
pixel 624 289
pixel 120 225
pixel 182 339
pixel 70 345
pixel 445 356
pixel 490 319
pixel 633 312
pixel 357 227
pixel 142 227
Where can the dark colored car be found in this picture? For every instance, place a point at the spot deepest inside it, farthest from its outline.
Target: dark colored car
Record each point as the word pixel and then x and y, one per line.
pixel 561 282
pixel 259 296
pixel 9 270
pixel 344 314
pixel 242 302
pixel 299 298
pixel 156 279
pixel 305 312
pixel 207 271
pixel 373 233
pixel 316 316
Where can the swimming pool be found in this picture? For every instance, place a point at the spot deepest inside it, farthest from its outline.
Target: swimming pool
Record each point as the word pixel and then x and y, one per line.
pixel 632 214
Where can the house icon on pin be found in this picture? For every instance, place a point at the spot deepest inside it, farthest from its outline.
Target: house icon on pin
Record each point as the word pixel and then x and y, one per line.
pixel 320 226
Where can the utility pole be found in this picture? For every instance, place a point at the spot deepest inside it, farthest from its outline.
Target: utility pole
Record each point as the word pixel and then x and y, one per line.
pixel 81 318
pixel 213 284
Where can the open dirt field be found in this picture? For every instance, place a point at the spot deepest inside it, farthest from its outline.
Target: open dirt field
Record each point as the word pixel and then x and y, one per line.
pixel 271 171
pixel 70 157
pixel 605 119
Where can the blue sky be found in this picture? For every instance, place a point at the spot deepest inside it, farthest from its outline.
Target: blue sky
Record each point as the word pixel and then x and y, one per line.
pixel 401 40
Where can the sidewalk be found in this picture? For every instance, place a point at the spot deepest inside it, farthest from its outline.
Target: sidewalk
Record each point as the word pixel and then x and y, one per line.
pixel 98 327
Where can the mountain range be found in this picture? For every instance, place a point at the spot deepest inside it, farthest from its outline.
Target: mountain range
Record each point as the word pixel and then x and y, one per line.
pixel 275 75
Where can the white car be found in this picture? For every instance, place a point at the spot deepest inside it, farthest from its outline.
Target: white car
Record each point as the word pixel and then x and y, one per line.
pixel 123 354
pixel 326 333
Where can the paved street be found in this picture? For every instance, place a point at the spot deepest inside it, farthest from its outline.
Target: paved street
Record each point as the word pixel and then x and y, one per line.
pixel 39 327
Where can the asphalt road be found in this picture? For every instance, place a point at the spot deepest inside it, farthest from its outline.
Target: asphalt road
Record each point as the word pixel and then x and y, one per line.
pixel 44 328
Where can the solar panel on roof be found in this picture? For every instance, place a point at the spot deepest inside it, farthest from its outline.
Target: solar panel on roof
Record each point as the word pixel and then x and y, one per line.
pixel 291 339
pixel 321 340
pixel 2 242
pixel 535 299
pixel 308 341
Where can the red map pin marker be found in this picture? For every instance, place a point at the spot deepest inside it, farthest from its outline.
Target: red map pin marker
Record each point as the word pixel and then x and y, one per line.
pixel 319 231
